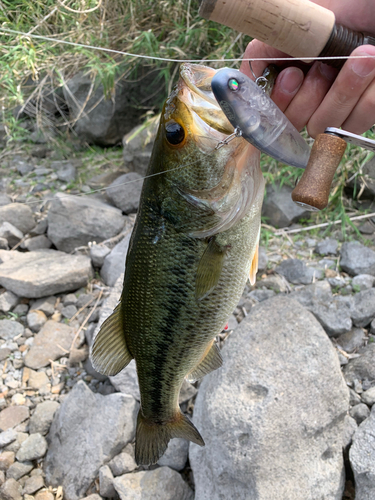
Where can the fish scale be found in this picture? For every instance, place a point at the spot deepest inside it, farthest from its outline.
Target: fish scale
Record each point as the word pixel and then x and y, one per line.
pixel 193 247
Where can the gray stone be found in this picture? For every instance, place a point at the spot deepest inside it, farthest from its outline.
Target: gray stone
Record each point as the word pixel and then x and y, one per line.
pixel 98 253
pixel 273 416
pixel 74 221
pixel 334 316
pixel 42 417
pixel 46 305
pixel 71 460
pixel 35 319
pixel 10 233
pixel 296 272
pixel 352 340
pixel 8 301
pixel 40 228
pixel 319 292
pixel 44 272
pixel 69 311
pixel 94 496
pixel 114 263
pixel 4 199
pixel 52 342
pixel 359 412
pixel 6 459
pixel 138 144
pixel 259 295
pixel 65 171
pixel 106 487
pixel 362 368
pixel 125 192
pixel 4 353
pixel 187 391
pixel 262 260
pixel 21 437
pixel 350 426
pixel 372 326
pixel 33 484
pixel 70 299
pixel 12 416
pixel 37 243
pixel 34 447
pixel 124 462
pixel 7 437
pixel 279 208
pixel 357 259
pixel 274 282
pixel 21 309
pixel 10 329
pixel 18 214
pixel 11 490
pixel 362 459
pixel 327 247
pixel 176 454
pixel 368 396
pixel 362 282
pixel 19 469
pixel 364 307
pixel 4 244
pixel 159 484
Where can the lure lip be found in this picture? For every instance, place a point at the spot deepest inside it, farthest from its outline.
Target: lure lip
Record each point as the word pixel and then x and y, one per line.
pixel 261 122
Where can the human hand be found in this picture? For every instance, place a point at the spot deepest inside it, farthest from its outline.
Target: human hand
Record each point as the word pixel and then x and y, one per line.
pixel 321 96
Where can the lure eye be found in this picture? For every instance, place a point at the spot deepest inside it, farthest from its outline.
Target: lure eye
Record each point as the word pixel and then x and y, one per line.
pixel 174 133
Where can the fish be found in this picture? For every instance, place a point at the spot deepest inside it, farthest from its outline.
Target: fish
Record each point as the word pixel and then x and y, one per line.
pixel 193 247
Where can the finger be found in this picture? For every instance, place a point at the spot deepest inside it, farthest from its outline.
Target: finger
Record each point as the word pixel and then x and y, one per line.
pixel 258 50
pixel 346 91
pixel 304 103
pixel 286 87
pixel 362 118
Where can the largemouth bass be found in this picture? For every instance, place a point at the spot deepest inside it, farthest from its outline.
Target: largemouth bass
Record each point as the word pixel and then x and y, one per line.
pixel 193 247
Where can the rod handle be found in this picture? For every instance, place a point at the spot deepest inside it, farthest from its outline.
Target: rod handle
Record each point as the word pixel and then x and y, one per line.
pixel 313 189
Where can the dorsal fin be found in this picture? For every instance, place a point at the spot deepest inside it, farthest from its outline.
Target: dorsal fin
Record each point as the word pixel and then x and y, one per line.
pixel 210 362
pixel 109 353
pixel 209 269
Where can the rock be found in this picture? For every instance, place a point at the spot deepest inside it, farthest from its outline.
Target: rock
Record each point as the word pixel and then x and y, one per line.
pixel 357 259
pixel 264 412
pixel 70 299
pixel 11 490
pixel 98 253
pixel 36 379
pixel 6 459
pixel 362 459
pixel 10 329
pixel 352 340
pixel 35 319
pixel 107 489
pixel 362 368
pixel 94 496
pixel 52 342
pixel 159 484
pixel 75 221
pixel 126 381
pixel 21 437
pixel 274 282
pixel 4 199
pixel 334 316
pixel 69 311
pixel 364 307
pixel 40 228
pixel 13 416
pixel 4 244
pixel 44 495
pixel 125 192
pixel 279 208
pixel 114 263
pixel 37 243
pixel 296 272
pixel 138 144
pixel 259 295
pixel 46 305
pixel 19 469
pixel 8 301
pixel 44 272
pixel 187 391
pixel 319 292
pixel 70 460
pixel 7 437
pixel 18 214
pixel 10 233
pixel 362 282
pixel 359 412
pixel 77 356
pixel 4 353
pixel 327 247
pixel 33 484
pixel 65 170
pixel 176 454
pixel 124 462
pixel 368 396
pixel 34 447
pixel 262 260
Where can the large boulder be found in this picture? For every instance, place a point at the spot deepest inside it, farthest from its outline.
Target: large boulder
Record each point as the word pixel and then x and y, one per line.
pixel 74 221
pixel 273 416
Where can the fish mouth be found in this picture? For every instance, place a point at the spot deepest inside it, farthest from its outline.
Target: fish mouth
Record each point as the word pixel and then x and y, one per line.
pixel 194 90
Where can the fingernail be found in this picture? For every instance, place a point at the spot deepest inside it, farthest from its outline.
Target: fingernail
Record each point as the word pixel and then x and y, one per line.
pixel 327 71
pixel 363 67
pixel 291 80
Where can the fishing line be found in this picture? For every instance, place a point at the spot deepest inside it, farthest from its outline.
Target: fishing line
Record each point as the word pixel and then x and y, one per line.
pixel 7 31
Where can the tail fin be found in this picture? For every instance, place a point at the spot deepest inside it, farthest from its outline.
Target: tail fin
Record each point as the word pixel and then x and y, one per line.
pixel 152 438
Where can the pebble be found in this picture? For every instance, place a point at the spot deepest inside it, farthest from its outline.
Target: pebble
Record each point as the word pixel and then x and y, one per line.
pixel 19 469
pixel 8 301
pixel 10 329
pixel 11 490
pixel 46 305
pixel 44 495
pixel 362 282
pixel 69 311
pixel 124 462
pixel 12 416
pixel 70 299
pixel 176 454
pixel 6 459
pixel 37 242
pixel 327 247
pixel 33 484
pixel 106 487
pixel 368 396
pixel 36 319
pixel 42 417
pixel 36 380
pixel 352 340
pixel 34 447
pixel 359 412
pixel 7 437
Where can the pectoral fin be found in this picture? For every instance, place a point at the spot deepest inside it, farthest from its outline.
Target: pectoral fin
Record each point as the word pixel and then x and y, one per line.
pixel 254 266
pixel 109 353
pixel 211 361
pixel 209 269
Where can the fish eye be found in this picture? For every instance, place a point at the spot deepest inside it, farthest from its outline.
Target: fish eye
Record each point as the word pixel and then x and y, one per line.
pixel 175 133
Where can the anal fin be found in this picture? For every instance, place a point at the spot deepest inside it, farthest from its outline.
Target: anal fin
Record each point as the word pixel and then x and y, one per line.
pixel 209 269
pixel 109 353
pixel 210 362
pixel 254 266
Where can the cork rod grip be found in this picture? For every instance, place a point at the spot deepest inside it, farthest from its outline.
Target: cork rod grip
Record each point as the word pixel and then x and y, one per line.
pixel 298 27
pixel 313 189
